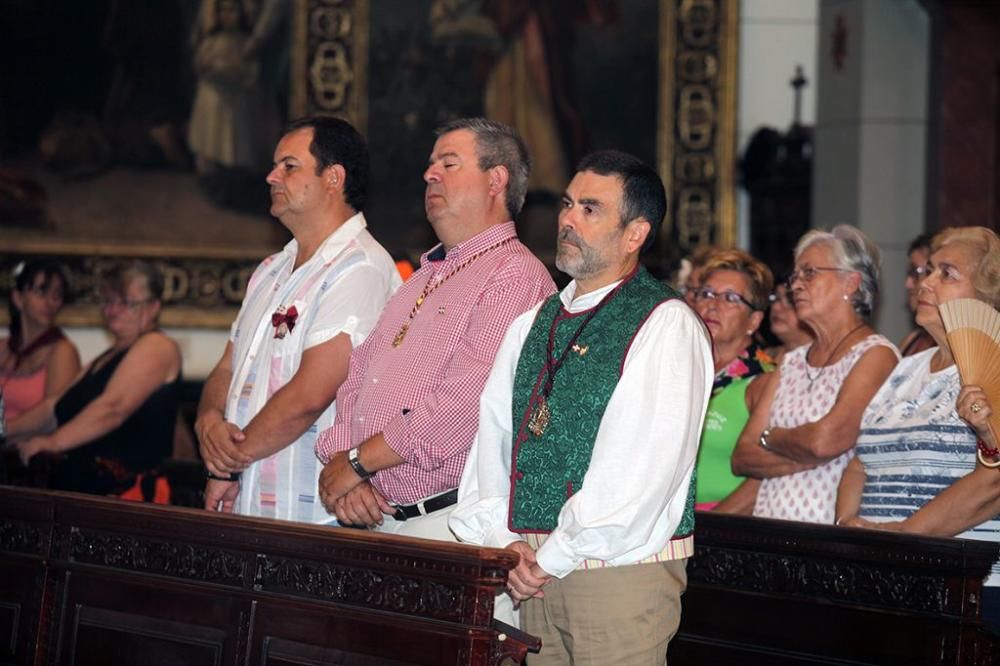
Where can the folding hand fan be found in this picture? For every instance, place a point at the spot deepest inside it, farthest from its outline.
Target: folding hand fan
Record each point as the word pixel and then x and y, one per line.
pixel 973 329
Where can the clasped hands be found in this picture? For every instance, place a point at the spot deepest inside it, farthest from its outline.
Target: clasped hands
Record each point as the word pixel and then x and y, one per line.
pixel 219 443
pixel 352 500
pixel 527 579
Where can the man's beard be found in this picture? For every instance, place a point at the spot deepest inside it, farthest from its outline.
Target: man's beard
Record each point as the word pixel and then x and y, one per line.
pixel 588 262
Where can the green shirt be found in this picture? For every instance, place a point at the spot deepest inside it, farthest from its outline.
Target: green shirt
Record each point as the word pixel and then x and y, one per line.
pixel 727 415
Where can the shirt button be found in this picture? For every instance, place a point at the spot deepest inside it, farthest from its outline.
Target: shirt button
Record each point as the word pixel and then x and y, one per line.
pixel 374 380
pixel 518 475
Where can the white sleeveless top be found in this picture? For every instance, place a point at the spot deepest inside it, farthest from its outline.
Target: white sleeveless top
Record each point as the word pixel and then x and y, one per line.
pixel 806 394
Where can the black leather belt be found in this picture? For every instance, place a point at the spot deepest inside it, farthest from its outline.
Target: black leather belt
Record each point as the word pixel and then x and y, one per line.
pixel 427 506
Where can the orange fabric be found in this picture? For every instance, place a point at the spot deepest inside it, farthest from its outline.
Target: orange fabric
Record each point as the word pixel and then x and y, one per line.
pixel 161 493
pixel 405 269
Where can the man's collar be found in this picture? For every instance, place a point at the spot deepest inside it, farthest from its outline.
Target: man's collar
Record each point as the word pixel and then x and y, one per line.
pixel 467 248
pixel 588 300
pixel 336 241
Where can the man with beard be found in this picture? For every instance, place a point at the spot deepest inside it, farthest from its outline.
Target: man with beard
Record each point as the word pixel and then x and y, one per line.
pixel 305 309
pixel 408 411
pixel 588 434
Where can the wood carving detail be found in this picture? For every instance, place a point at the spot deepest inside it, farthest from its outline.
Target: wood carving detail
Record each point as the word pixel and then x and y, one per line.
pixel 361 587
pixel 20 537
pixel 177 560
pixel 805 577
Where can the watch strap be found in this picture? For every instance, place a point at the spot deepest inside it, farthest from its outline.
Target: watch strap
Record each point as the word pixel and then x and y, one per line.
pixel 359 469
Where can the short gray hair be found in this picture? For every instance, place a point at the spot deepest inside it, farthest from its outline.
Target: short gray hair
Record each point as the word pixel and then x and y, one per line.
pixel 498 145
pixel 851 250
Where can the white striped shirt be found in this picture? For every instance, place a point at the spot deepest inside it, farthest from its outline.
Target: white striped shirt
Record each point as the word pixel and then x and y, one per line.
pixel 914 445
pixel 342 288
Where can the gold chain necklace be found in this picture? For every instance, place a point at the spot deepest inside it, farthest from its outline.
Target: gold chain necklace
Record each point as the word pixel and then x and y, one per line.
pixel 429 289
pixel 829 357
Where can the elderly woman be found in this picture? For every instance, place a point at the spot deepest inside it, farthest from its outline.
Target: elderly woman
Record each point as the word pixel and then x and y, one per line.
pixel 116 421
pixel 785 324
pixel 731 302
pixel 36 360
pixel 915 469
pixel 800 436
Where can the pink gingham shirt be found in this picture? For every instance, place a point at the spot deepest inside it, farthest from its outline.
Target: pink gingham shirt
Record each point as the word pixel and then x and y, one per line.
pixel 423 396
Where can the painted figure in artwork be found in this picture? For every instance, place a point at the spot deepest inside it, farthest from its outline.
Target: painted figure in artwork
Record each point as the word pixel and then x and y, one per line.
pixel 233 123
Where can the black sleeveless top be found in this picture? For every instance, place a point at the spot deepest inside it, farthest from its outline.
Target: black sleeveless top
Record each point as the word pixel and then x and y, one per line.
pixel 110 463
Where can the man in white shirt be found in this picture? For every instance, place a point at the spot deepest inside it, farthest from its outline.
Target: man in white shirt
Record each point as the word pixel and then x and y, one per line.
pixel 305 308
pixel 588 433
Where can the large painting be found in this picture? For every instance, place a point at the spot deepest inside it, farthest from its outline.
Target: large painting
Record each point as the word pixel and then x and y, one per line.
pixel 656 78
pixel 153 130
pixel 143 129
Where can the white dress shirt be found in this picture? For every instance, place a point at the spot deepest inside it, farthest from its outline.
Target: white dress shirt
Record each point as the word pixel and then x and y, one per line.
pixel 342 288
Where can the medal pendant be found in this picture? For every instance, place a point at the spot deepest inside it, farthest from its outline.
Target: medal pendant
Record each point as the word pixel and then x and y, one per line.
pixel 539 419
pixel 398 340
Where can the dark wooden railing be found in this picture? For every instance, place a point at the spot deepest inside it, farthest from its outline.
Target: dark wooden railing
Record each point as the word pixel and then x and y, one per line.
pixel 88 580
pixel 779 592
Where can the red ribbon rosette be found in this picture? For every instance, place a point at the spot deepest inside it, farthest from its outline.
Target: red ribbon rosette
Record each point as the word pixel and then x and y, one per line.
pixel 284 321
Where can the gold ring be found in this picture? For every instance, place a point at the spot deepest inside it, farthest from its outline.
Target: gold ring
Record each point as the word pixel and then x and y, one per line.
pixel 975 407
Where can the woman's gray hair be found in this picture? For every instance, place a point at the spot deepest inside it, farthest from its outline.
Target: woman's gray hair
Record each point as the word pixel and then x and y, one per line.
pixel 851 250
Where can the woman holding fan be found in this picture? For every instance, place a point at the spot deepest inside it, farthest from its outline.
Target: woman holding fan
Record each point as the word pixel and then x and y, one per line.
pixel 915 469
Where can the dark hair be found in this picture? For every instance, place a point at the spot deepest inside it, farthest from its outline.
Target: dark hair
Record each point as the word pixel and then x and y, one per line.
pixel 921 242
pixel 642 190
pixel 23 279
pixel 498 145
pixel 117 279
pixel 335 141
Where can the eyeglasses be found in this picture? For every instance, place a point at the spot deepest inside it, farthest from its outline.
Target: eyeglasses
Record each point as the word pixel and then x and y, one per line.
pixel 809 273
pixel 918 273
pixel 783 296
pixel 729 296
pixel 115 303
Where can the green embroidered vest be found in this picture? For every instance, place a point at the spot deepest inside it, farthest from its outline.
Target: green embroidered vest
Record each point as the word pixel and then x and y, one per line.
pixel 549 469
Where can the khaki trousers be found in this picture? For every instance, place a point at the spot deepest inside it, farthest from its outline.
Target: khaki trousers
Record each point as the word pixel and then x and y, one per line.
pixel 617 615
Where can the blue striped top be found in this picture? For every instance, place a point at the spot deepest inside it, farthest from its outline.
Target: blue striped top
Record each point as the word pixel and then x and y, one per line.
pixel 914 445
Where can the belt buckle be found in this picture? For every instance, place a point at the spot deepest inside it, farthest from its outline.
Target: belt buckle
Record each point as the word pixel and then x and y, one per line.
pixel 399 515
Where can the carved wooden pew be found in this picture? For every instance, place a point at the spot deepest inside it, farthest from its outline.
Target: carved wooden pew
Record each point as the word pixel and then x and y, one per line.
pixel 89 580
pixel 777 592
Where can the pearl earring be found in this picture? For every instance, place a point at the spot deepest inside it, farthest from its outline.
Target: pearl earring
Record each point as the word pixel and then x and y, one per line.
pixel 846 297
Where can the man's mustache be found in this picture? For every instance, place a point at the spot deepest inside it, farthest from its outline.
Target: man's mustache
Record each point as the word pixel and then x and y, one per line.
pixel 571 236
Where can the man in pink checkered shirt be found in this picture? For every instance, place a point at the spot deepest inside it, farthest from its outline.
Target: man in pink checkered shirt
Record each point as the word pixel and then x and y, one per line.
pixel 408 411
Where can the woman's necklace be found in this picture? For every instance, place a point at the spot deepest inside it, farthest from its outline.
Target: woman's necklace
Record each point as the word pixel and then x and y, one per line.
pixel 829 358
pixel 431 286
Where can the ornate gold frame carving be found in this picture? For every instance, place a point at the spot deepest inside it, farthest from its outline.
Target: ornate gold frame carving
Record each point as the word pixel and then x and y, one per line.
pixel 202 290
pixel 330 59
pixel 696 139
